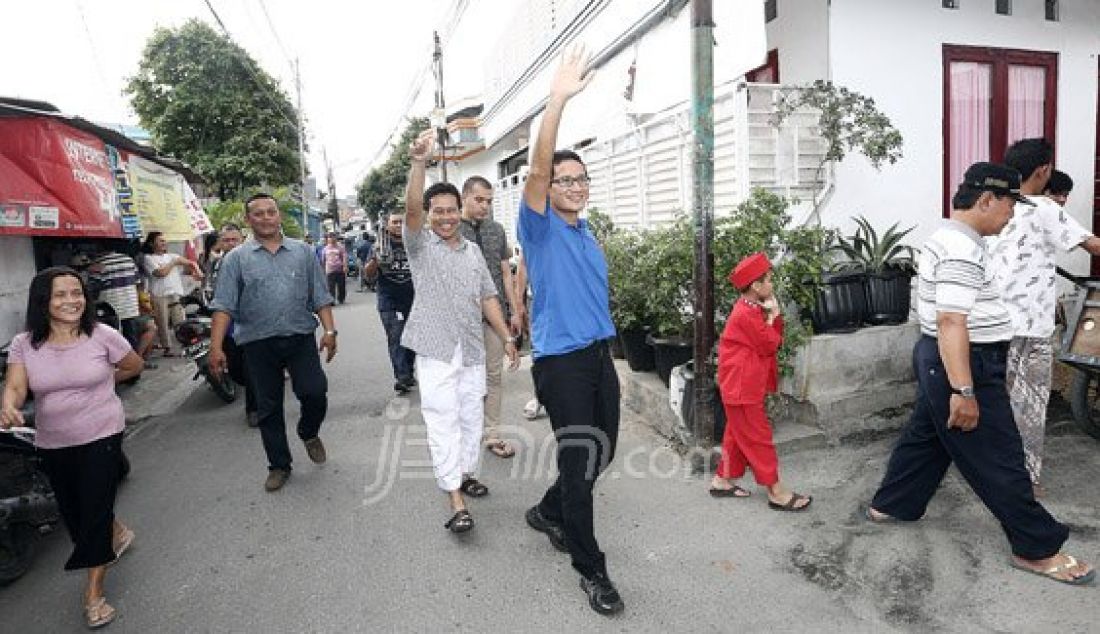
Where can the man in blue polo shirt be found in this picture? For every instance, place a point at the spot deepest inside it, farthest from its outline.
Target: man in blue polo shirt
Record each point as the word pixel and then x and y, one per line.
pixel 570 326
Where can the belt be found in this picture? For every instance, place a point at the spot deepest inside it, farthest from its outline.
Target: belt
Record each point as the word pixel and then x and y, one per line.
pixel 978 347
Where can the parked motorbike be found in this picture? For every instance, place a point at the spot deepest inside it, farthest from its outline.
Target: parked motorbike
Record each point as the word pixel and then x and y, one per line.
pixel 194 334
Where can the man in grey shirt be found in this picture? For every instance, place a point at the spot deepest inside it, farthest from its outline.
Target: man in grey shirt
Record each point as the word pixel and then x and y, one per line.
pixel 454 291
pixel 489 236
pixel 272 287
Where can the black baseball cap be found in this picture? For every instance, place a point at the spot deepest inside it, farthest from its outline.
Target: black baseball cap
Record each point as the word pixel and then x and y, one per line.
pixel 999 179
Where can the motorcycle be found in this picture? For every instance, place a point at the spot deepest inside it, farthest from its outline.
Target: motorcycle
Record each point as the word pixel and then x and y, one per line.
pixel 194 334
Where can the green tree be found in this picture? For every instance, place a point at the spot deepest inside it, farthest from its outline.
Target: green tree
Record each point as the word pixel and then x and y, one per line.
pixel 383 189
pixel 208 103
pixel 233 211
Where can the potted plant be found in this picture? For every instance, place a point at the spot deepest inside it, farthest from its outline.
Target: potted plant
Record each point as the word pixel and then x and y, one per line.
pixel 626 252
pixel 889 266
pixel 667 276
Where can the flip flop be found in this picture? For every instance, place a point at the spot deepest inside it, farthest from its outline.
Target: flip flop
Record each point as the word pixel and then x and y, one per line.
pixel 124 542
pixel 501 449
pixel 99 613
pixel 1049 573
pixel 790 506
pixel 885 519
pixel 473 488
pixel 460 523
pixel 732 492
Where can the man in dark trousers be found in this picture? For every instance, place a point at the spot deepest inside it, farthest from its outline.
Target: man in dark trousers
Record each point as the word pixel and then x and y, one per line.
pixel 389 261
pixel 273 288
pixel 963 414
pixel 570 327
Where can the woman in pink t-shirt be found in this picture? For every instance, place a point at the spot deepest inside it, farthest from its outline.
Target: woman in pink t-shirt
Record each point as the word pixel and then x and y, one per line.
pixel 72 363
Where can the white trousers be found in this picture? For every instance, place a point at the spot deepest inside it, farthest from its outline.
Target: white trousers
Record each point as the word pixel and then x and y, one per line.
pixel 451 402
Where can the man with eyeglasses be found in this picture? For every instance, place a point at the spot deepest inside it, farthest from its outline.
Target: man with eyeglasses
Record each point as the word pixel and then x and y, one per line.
pixel 570 327
pixel 489 236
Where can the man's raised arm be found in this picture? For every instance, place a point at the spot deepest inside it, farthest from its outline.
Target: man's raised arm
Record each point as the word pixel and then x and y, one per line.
pixel 572 76
pixel 414 190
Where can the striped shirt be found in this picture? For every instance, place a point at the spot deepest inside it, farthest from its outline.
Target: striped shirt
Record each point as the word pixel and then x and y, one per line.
pixel 955 277
pixel 450 284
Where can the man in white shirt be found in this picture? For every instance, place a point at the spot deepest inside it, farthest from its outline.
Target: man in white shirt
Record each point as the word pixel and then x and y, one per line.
pixel 165 285
pixel 1024 263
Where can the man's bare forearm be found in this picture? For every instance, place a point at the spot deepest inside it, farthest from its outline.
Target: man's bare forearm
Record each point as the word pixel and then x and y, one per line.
pixel 414 192
pixel 954 346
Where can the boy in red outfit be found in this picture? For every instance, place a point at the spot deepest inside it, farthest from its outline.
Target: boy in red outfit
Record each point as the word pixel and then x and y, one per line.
pixel 747 370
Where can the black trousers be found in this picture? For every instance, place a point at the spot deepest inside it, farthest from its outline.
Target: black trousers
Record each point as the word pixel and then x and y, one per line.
pixel 580 391
pixel 338 285
pixel 266 360
pixel 990 458
pixel 85 480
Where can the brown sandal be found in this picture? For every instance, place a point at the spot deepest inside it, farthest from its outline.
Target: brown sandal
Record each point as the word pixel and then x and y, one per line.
pixel 98 613
pixel 501 449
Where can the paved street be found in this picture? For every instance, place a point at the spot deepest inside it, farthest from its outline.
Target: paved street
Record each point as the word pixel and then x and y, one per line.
pixel 358 544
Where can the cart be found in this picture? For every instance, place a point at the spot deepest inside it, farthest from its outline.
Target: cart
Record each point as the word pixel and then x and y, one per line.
pixel 1080 349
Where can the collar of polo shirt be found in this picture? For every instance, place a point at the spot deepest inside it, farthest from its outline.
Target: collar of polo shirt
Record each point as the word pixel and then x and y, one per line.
pixel 436 239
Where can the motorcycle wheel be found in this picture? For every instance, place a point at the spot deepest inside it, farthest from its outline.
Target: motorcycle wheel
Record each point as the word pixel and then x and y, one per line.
pixel 16 551
pixel 1085 402
pixel 224 387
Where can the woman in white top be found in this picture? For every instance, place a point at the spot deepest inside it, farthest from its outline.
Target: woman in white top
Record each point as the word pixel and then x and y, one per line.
pixel 165 285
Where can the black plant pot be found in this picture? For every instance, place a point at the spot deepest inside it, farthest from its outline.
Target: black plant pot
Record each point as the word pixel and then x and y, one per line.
pixel 638 353
pixel 841 304
pixel 670 353
pixel 617 348
pixel 687 405
pixel 888 296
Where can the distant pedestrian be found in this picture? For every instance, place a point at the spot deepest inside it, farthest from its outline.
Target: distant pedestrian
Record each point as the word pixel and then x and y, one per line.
pixel 571 328
pixel 1024 266
pixel 72 364
pixel 454 292
pixel 273 290
pixel 963 414
pixel 335 257
pixel 489 235
pixel 1059 187
pixel 747 372
pixel 165 286
pixel 390 263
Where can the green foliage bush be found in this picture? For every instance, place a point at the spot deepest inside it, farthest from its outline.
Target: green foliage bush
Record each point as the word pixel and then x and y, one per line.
pixel 651 271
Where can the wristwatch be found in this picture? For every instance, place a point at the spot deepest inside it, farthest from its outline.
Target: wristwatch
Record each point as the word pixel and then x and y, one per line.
pixel 966 391
pixel 330 332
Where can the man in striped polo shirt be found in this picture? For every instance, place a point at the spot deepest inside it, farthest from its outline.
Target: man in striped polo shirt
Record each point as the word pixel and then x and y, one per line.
pixel 959 363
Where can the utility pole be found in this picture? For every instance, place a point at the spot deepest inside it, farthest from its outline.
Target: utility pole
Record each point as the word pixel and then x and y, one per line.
pixel 702 126
pixel 333 206
pixel 301 150
pixel 439 114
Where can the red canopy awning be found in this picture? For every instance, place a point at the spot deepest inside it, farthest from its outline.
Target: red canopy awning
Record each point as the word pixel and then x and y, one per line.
pixel 56 180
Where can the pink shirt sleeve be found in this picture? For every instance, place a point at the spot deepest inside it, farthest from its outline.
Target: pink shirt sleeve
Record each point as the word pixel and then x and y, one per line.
pixel 116 345
pixel 17 353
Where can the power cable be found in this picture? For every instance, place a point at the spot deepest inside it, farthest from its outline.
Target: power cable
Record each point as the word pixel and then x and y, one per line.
pixel 247 62
pixel 454 16
pixel 95 52
pixel 275 33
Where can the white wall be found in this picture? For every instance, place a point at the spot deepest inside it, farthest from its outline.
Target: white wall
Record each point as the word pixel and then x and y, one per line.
pixel 800 32
pixel 891 50
pixel 16 271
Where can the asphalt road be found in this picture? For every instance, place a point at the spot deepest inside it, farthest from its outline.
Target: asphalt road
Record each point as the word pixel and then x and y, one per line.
pixel 358 545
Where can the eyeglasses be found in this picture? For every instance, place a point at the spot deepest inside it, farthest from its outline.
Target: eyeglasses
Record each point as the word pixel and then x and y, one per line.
pixel 565 182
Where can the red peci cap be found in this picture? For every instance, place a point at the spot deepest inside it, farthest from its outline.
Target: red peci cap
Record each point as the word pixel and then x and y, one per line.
pixel 749 270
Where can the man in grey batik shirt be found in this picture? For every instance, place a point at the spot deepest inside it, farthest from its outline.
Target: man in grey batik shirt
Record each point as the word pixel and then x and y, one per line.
pixel 454 291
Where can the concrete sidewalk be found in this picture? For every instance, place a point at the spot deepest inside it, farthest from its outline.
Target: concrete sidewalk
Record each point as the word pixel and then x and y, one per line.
pixel 161 391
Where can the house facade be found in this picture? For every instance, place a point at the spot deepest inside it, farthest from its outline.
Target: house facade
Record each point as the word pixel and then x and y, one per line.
pixel 961 80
